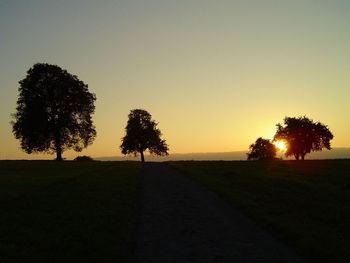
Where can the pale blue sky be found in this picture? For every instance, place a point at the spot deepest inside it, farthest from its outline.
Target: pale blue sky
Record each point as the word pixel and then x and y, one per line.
pixel 215 74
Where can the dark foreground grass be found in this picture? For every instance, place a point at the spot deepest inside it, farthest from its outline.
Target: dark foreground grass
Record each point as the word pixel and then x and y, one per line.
pixel 67 212
pixel 307 204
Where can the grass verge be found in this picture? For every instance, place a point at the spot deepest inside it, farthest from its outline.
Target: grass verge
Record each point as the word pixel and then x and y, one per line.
pixel 67 212
pixel 304 203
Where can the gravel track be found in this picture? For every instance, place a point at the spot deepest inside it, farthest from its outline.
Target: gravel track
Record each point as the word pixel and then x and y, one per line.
pixel 180 222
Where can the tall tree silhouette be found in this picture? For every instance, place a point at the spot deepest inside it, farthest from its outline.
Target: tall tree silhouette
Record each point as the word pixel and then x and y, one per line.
pixel 303 136
pixel 54 111
pixel 262 149
pixel 142 134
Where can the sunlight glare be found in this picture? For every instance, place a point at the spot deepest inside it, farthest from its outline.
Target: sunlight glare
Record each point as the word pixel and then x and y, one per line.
pixel 280 145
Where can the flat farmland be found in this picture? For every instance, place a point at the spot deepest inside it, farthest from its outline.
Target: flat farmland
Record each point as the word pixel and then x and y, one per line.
pixel 89 211
pixel 67 212
pixel 305 204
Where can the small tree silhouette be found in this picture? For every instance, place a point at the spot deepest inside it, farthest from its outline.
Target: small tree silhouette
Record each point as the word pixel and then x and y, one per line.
pixel 262 149
pixel 54 111
pixel 83 158
pixel 303 136
pixel 142 134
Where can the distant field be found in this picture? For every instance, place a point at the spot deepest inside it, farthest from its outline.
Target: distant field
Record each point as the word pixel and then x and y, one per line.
pixel 67 212
pixel 335 153
pixel 305 203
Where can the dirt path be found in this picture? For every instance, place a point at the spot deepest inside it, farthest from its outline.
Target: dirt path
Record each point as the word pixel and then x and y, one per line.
pixel 182 222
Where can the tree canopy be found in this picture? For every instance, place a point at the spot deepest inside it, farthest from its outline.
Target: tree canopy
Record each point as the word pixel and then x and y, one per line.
pixel 54 111
pixel 262 149
pixel 303 136
pixel 142 134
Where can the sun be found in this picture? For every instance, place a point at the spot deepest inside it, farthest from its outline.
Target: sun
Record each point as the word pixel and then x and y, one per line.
pixel 281 145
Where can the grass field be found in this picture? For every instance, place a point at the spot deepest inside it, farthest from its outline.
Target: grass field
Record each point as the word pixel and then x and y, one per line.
pixel 76 211
pixel 67 212
pixel 307 204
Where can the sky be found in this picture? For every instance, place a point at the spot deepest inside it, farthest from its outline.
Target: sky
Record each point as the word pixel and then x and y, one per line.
pixel 215 75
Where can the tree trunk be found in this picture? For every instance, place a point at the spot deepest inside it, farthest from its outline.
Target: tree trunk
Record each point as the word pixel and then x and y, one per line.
pixel 58 146
pixel 296 157
pixel 303 157
pixel 59 153
pixel 142 156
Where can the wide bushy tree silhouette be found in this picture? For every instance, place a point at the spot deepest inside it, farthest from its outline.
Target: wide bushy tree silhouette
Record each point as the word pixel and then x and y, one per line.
pixel 142 134
pixel 262 149
pixel 303 136
pixel 54 111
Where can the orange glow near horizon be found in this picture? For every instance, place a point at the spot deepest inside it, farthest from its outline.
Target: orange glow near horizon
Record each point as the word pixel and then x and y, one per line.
pixel 281 145
pixel 214 76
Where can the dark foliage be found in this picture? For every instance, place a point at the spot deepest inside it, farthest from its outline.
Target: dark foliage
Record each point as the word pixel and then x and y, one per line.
pixel 262 149
pixel 83 158
pixel 142 134
pixel 303 136
pixel 54 111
